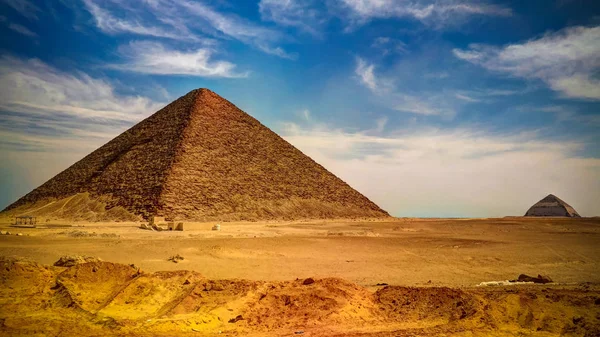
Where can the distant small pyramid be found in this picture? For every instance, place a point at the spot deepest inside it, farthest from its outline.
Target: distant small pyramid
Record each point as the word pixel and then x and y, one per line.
pixel 199 158
pixel 552 206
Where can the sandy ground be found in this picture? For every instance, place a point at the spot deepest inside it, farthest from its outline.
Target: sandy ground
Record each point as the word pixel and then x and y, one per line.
pixel 406 252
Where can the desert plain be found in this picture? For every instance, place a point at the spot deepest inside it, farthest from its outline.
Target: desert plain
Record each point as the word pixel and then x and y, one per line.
pixel 369 277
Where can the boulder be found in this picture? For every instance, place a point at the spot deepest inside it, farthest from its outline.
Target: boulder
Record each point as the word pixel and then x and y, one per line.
pixel 71 260
pixel 308 281
pixel 538 279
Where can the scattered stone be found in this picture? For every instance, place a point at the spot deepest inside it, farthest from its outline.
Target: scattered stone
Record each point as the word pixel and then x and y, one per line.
pixel 298 332
pixel 8 233
pixel 79 234
pixel 175 258
pixel 109 235
pixel 71 260
pixel 216 227
pixel 19 234
pixel 186 282
pixel 179 227
pixel 539 279
pixel 3 232
pixel 237 318
pixel 308 281
pixel 381 284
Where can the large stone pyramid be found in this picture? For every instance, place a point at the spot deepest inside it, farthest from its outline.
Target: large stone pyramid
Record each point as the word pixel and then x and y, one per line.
pixel 552 206
pixel 201 157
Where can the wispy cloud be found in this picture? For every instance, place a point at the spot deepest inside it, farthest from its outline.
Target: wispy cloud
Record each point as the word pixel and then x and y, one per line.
pixel 389 45
pixel 310 15
pixel 434 13
pixel 464 172
pixel 565 114
pixel 183 20
pixel 22 30
pixel 110 24
pixel 53 109
pixel 51 118
pixel 422 103
pixel 467 98
pixel 565 60
pixel 366 75
pixel 24 7
pixel 154 58
pixel 301 14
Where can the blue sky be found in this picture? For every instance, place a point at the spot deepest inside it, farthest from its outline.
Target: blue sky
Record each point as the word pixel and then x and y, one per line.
pixel 430 108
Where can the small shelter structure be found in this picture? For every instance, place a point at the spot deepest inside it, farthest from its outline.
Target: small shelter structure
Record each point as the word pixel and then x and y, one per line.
pixel 25 220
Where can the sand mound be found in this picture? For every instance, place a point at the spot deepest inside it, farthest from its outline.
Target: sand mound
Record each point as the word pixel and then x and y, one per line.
pixel 103 298
pixel 93 285
pixel 22 277
pixel 295 305
pixel 152 295
pixel 435 305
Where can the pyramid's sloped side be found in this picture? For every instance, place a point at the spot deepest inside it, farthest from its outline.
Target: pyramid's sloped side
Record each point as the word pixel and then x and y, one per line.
pixel 547 210
pixel 229 165
pixel 552 206
pixel 129 170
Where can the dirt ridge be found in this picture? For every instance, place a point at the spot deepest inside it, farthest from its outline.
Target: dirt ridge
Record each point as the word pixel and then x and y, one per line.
pixel 103 298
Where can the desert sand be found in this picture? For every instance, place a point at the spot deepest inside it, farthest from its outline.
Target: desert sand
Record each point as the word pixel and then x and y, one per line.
pixel 391 277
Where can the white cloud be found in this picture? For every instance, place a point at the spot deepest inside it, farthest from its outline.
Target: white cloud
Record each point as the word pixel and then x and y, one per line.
pixel 577 85
pixel 563 113
pixel 462 172
pixel 305 115
pixel 24 7
pixel 566 60
pixel 388 45
pixel 293 13
pixel 22 30
pixel 155 58
pixel 110 24
pixel 422 104
pixel 53 118
pixel 67 103
pixel 434 13
pixel 467 98
pixel 182 20
pixel 380 124
pixel 311 15
pixel 366 75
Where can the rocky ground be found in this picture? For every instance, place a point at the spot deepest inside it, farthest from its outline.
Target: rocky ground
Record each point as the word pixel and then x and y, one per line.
pixel 400 277
pixel 109 299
